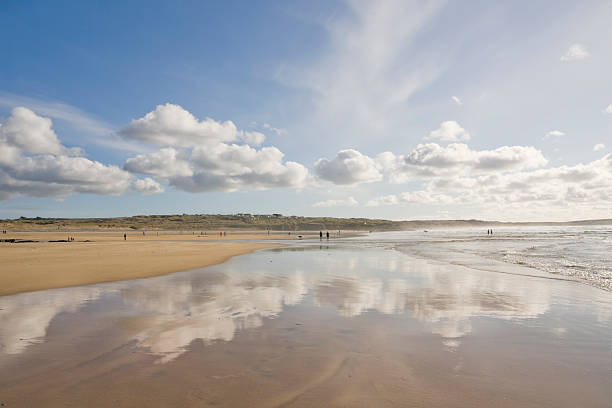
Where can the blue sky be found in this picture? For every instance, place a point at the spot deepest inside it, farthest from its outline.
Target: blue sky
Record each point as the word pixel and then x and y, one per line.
pixel 391 109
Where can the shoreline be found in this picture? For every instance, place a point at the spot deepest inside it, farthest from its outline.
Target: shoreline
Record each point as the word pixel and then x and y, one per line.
pixel 100 257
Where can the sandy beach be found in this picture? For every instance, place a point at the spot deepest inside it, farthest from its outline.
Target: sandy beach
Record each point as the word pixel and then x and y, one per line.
pixel 96 257
pixel 345 323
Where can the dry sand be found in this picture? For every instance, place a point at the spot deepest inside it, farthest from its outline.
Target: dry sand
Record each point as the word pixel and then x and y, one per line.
pixel 95 257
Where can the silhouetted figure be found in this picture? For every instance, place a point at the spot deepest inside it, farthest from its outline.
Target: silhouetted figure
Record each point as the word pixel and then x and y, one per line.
pixel 320 235
pixel 124 237
pixel 327 235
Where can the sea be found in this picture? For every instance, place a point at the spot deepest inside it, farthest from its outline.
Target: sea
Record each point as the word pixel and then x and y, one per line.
pixel 572 252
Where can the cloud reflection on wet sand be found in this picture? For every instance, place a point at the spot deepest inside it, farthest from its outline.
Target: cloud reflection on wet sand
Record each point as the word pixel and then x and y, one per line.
pixel 165 314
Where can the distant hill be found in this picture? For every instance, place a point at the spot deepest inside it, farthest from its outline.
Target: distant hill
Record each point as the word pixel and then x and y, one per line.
pixel 278 222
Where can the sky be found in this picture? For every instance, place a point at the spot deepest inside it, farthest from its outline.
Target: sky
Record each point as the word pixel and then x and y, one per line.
pixel 383 109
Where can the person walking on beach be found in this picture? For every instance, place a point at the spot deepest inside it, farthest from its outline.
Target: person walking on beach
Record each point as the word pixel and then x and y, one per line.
pixel 320 235
pixel 327 235
pixel 124 237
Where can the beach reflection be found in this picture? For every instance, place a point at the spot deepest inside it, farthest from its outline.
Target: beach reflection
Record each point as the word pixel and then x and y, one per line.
pixel 166 314
pixel 208 308
pixel 25 318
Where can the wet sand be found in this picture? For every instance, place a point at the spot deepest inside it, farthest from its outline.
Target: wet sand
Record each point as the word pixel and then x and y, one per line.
pixel 311 325
pixel 95 257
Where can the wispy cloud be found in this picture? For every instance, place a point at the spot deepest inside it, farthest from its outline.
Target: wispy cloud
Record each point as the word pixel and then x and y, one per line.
pixel 575 52
pixel 598 147
pixel 553 134
pixel 608 109
pixel 349 202
pixel 100 132
pixel 363 78
pixel 278 131
pixel 457 100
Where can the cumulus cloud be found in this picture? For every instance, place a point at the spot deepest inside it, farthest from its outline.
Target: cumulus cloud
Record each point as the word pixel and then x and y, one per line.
pixel 252 138
pixel 349 202
pixel 30 133
pixel 197 158
pixel 432 160
pixel 457 100
pixel 608 109
pixel 553 134
pixel 449 131
pixel 348 167
pixel 571 188
pixel 90 128
pixel 147 186
pixel 33 162
pixel 598 147
pixel 164 163
pixel 426 161
pixel 171 125
pixel 576 52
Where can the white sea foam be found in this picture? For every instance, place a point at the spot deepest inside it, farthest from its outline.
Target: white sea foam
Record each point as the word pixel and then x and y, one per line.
pixel 583 253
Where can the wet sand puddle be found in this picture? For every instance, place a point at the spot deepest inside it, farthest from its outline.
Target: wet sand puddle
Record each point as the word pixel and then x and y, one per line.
pixel 311 325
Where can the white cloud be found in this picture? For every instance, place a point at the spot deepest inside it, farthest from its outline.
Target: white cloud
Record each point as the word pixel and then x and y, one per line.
pixel 348 167
pixel 362 79
pixel 449 131
pixel 349 202
pixel 147 186
pixel 278 131
pixel 33 162
pixel 608 109
pixel 171 125
pixel 553 134
pixel 457 100
pixel 90 128
pixel 426 161
pixel 544 191
pixel 164 163
pixel 598 147
pixel 31 133
pixel 576 52
pixel 411 197
pixel 432 160
pixel 197 158
pixel 253 138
